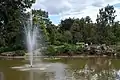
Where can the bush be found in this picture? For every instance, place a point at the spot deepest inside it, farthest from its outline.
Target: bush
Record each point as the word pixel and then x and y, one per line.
pixel 57 43
pixel 6 49
pixel 70 48
pixel 11 48
pixel 60 49
pixel 51 51
pixel 66 48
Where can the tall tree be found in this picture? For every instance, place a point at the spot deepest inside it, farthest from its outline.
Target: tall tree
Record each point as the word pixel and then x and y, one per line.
pixel 66 24
pixel 106 16
pixel 49 30
pixel 11 12
pixel 88 19
pixel 105 19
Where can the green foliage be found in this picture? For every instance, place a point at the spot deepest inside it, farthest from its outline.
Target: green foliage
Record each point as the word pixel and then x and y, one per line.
pixel 66 24
pixel 11 21
pixel 57 43
pixel 11 48
pixel 71 32
pixel 106 16
pixel 67 36
pixel 51 50
pixel 105 23
pixel 11 8
pixel 67 49
pixel 40 18
pixel 64 38
pixel 105 31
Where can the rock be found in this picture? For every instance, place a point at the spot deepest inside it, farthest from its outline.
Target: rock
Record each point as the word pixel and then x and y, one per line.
pixel 14 53
pixel 99 50
pixel 7 54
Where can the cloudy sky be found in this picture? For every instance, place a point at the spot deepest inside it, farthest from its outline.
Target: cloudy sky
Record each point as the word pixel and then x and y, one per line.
pixel 61 9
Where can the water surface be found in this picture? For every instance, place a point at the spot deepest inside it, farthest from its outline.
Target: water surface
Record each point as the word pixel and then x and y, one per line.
pixel 63 69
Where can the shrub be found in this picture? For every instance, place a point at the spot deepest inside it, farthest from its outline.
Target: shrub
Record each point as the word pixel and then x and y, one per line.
pixel 66 48
pixel 51 51
pixel 60 49
pixel 11 48
pixel 57 43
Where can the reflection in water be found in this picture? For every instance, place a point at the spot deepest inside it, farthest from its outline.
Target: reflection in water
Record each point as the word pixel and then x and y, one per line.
pixel 97 69
pixel 1 76
pixel 94 69
pixel 59 72
pixel 55 72
pixel 70 69
pixel 31 75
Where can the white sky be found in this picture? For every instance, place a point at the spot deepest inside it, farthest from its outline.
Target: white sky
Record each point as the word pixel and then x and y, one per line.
pixel 61 9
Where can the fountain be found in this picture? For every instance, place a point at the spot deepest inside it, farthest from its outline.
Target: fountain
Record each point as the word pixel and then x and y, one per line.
pixel 31 37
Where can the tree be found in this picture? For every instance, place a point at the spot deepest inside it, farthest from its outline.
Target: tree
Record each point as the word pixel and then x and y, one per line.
pixel 40 15
pixel 106 16
pixel 116 31
pixel 66 24
pixel 76 32
pixel 40 18
pixel 11 12
pixel 8 8
pixel 105 19
pixel 67 36
pixel 88 19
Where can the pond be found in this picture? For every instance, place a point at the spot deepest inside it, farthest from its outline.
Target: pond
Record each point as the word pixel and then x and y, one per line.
pixel 96 68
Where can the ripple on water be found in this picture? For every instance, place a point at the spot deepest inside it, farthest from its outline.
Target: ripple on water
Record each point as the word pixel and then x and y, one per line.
pixel 28 67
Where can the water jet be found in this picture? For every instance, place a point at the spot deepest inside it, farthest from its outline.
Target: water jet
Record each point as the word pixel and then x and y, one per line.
pixel 31 33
